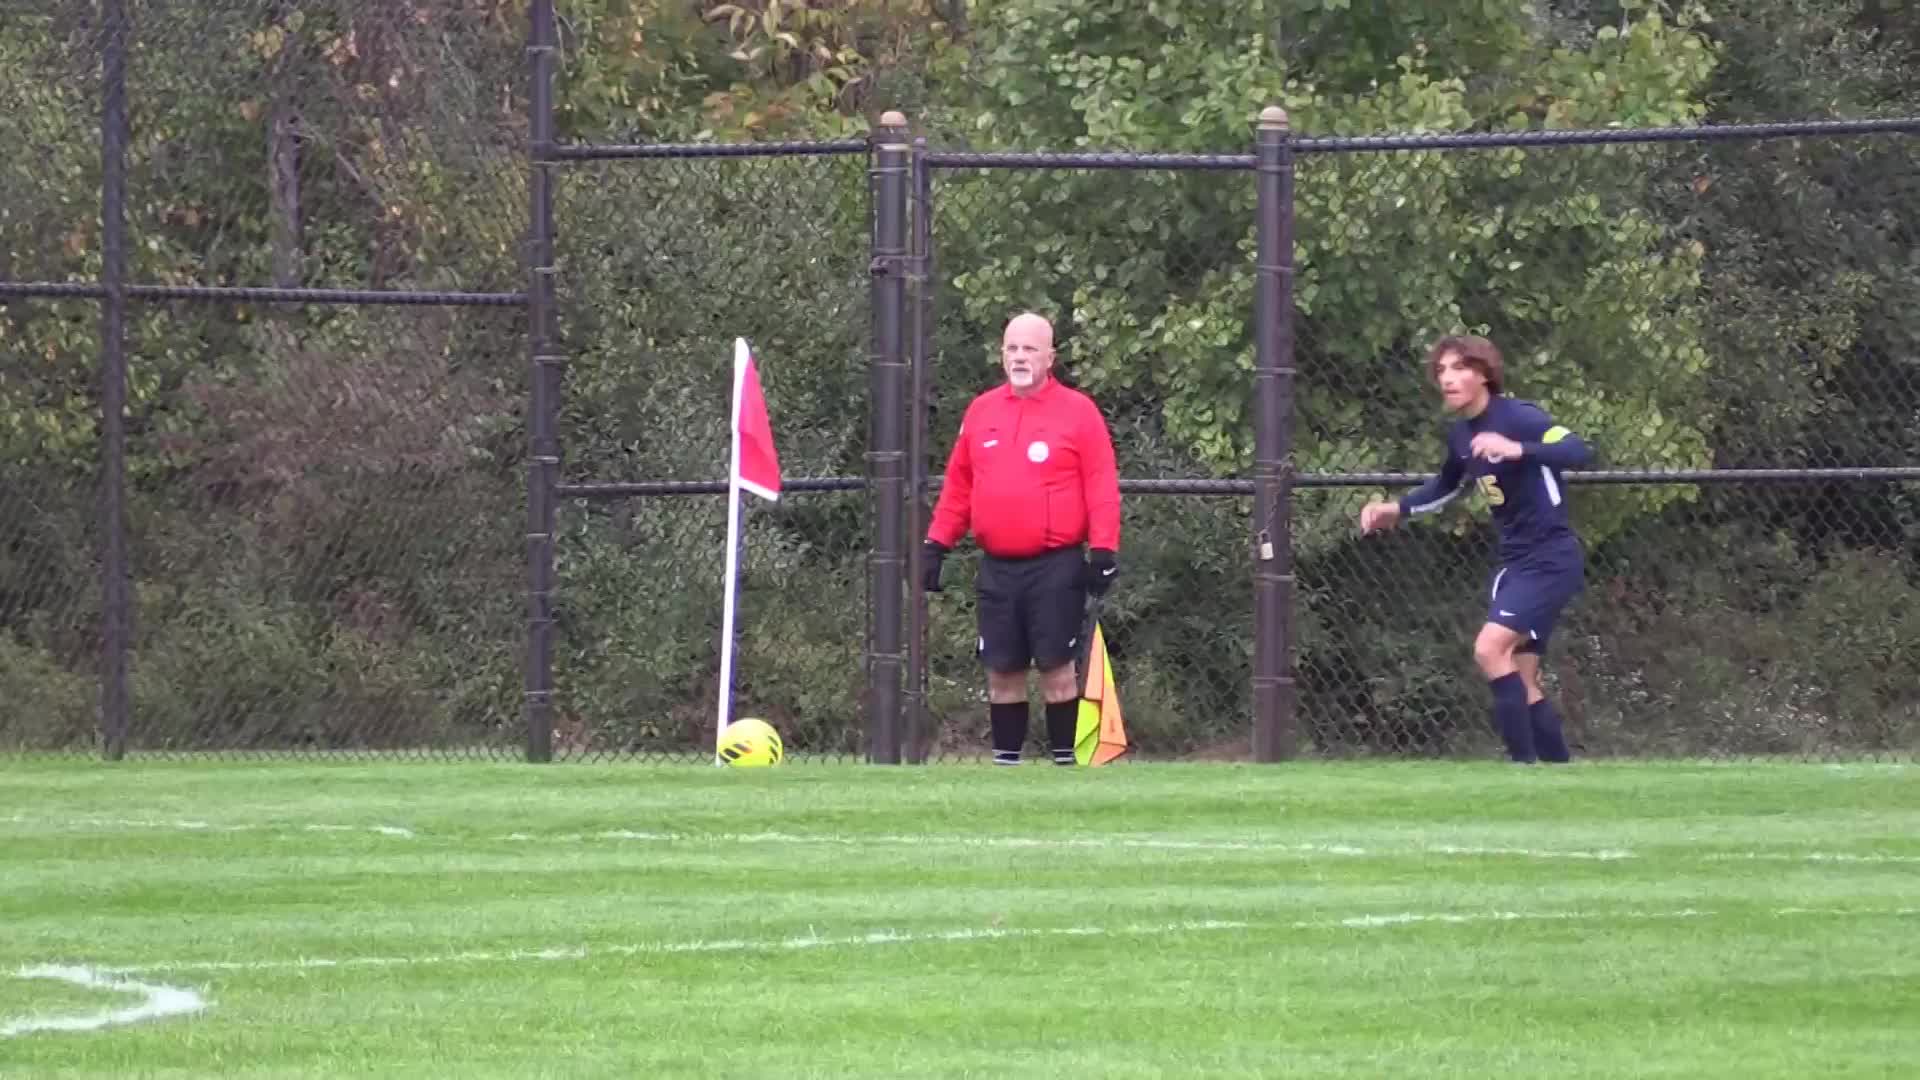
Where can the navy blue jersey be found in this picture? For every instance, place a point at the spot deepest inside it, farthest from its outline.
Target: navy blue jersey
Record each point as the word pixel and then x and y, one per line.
pixel 1528 494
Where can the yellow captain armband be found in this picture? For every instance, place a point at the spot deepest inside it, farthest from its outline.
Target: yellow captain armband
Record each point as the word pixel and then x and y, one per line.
pixel 1555 434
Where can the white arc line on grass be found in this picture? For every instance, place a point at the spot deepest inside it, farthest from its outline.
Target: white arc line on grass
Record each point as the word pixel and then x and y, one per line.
pixel 159 1002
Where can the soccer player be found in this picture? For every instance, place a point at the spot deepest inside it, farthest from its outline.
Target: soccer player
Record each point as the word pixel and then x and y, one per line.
pixel 1032 476
pixel 1515 454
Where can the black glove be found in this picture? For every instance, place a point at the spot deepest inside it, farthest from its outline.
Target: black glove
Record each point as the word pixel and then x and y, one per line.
pixel 1098 573
pixel 931 555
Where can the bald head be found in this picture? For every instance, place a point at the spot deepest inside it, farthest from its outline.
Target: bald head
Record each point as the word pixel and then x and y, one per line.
pixel 1030 327
pixel 1026 352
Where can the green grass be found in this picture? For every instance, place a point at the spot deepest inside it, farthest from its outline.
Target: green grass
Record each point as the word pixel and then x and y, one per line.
pixel 1398 919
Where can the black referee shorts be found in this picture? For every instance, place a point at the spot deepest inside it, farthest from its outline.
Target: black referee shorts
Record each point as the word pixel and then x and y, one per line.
pixel 1030 610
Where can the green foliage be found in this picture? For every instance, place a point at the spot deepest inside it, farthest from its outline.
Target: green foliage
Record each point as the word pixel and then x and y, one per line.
pixel 1810 279
pixel 49 231
pixel 247 668
pixel 1797 654
pixel 49 705
pixel 665 70
pixel 640 659
pixel 1152 277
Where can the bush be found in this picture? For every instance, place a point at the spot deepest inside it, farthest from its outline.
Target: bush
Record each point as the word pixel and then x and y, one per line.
pixel 224 669
pixel 47 705
pixel 1772 659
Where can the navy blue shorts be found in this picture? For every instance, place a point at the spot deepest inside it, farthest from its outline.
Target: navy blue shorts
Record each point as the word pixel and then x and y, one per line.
pixel 1528 599
pixel 1030 610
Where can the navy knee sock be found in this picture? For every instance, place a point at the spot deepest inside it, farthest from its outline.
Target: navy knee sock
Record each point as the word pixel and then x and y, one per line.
pixel 1548 738
pixel 1510 717
pixel 1009 730
pixel 1062 718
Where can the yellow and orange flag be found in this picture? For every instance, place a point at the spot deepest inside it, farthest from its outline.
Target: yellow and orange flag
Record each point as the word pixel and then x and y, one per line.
pixel 1100 733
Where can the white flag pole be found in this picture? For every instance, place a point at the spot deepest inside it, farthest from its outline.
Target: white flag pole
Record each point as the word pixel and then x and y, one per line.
pixel 733 551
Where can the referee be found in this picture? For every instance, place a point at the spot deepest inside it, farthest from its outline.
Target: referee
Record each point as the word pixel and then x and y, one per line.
pixel 1032 477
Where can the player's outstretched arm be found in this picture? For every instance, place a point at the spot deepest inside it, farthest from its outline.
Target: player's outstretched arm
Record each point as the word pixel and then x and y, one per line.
pixel 1428 497
pixel 1436 492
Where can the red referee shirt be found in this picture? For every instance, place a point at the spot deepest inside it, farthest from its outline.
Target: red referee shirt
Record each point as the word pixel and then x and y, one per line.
pixel 1029 474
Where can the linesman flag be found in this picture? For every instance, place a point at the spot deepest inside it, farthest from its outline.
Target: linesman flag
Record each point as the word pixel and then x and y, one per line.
pixel 755 468
pixel 1100 732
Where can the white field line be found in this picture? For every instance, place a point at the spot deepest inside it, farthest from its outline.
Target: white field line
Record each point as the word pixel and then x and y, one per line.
pixel 195 826
pixel 1096 843
pixel 1408 918
pixel 1811 856
pixel 668 948
pixel 156 1002
pixel 813 940
pixel 1108 843
pixel 1268 847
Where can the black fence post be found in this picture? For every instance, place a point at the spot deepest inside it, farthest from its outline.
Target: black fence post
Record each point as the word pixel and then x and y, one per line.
pixel 543 461
pixel 920 332
pixel 116 612
pixel 886 454
pixel 1275 734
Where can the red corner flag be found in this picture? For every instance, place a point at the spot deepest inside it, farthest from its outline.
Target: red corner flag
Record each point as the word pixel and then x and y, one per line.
pixel 756 467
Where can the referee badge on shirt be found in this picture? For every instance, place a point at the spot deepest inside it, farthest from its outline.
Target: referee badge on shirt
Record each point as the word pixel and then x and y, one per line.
pixel 1037 452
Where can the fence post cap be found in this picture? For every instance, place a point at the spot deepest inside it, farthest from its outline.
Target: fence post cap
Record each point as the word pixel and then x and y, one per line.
pixel 1273 116
pixel 893 118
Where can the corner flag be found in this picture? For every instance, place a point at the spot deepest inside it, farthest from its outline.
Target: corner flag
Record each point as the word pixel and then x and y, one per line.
pixel 1100 732
pixel 754 467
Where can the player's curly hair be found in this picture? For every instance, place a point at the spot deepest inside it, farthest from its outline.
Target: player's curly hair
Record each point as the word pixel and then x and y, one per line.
pixel 1479 353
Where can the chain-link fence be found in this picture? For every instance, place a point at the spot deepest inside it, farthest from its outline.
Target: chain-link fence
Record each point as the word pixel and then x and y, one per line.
pixel 49 417
pixel 666 260
pixel 341 416
pixel 1146 274
pixel 1729 324
pixel 1722 314
pixel 263 381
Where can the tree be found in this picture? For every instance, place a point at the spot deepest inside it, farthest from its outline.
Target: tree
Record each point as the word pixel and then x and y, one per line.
pixel 1151 274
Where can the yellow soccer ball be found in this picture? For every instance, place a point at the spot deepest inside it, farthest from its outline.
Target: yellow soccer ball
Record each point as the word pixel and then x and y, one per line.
pixel 750 743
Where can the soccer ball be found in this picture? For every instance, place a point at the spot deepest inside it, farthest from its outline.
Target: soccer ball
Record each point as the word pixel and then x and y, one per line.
pixel 750 743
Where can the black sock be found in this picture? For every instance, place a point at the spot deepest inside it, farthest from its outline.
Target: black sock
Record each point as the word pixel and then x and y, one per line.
pixel 1548 738
pixel 1062 718
pixel 1009 730
pixel 1510 717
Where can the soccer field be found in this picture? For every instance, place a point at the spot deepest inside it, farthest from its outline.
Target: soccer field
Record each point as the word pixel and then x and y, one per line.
pixel 1394 919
